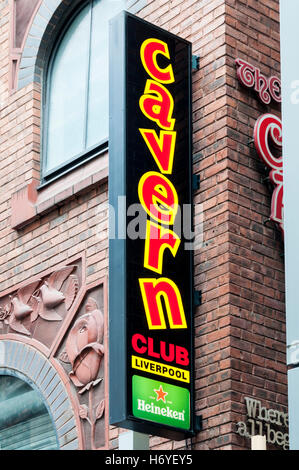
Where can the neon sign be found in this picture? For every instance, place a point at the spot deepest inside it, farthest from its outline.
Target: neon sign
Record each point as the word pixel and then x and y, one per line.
pixel 251 77
pixel 153 318
pixel 268 130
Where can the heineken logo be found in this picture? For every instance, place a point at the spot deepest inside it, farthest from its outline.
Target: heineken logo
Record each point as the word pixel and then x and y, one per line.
pixel 161 394
pixel 160 402
pixel 157 410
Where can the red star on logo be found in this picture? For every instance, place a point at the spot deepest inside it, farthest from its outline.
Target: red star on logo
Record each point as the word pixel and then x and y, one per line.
pixel 161 394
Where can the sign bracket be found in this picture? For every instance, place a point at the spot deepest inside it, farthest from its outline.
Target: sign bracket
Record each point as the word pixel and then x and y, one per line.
pixel 197 423
pixel 195 62
pixel 195 182
pixel 197 298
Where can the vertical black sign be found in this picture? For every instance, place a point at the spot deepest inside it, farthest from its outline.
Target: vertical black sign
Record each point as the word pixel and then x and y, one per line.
pixel 150 261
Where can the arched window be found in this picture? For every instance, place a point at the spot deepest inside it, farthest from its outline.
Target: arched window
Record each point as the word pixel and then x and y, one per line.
pixel 76 111
pixel 25 423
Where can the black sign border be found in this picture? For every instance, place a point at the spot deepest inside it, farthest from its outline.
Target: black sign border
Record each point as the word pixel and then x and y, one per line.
pixel 118 408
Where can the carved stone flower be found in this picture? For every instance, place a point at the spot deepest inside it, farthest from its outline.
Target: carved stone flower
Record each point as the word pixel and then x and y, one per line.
pixel 4 313
pixel 85 349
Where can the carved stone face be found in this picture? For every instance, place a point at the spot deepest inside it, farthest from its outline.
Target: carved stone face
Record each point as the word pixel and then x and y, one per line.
pixel 84 347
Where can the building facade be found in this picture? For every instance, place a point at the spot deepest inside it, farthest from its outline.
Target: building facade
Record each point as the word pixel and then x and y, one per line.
pixel 54 224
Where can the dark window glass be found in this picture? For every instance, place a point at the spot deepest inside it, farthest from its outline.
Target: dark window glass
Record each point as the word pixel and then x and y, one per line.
pixel 76 118
pixel 25 423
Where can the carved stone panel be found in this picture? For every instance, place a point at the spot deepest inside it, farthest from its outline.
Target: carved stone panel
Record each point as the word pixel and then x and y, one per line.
pixel 37 308
pixel 82 354
pixel 24 10
pixel 66 320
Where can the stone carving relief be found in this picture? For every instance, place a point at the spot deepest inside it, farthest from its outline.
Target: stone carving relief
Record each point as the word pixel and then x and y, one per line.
pixel 66 318
pixel 82 354
pixel 21 16
pixel 23 11
pixel 41 298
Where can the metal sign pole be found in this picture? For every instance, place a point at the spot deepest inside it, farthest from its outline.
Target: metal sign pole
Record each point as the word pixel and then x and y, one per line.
pixel 131 440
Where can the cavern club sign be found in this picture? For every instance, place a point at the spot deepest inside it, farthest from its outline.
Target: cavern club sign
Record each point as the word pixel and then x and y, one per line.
pixel 150 267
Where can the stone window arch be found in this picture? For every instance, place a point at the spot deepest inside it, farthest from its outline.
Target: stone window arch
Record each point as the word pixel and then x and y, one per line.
pixel 32 40
pixel 26 362
pixel 36 33
pixel 76 89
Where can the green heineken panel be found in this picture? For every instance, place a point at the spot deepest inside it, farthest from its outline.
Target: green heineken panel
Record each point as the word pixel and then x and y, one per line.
pixel 161 402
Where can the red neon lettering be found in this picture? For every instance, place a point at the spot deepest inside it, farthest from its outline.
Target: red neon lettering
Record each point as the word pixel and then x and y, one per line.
pixel 157 104
pixel 161 148
pixel 148 53
pixel 151 352
pixel 245 72
pixel 167 357
pixel 275 88
pixel 157 240
pixel 276 177
pixel 268 128
pixel 158 197
pixel 251 76
pixel 167 352
pixel 182 356
pixel 139 349
pixel 153 291
pixel 261 86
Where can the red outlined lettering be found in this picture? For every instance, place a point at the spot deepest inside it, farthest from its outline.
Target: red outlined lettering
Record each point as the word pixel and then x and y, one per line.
pixel 149 50
pixel 261 86
pixel 251 77
pixel 162 148
pixel 157 104
pixel 277 206
pixel 268 128
pixel 275 88
pixel 153 290
pixel 158 197
pixel 245 73
pixel 168 352
pixel 157 240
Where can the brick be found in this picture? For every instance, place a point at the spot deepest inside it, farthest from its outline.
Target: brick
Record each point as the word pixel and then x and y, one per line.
pixel 240 325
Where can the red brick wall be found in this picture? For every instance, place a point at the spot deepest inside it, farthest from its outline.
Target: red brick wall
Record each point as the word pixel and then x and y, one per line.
pixel 256 249
pixel 71 226
pixel 239 328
